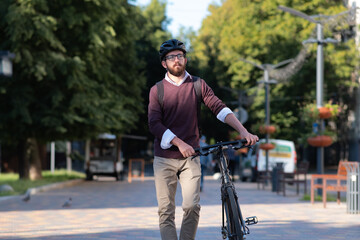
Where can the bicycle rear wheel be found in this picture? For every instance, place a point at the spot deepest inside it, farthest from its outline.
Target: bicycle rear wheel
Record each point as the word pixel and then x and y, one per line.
pixel 234 231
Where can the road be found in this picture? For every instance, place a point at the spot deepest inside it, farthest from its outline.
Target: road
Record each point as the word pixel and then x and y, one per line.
pixel 106 209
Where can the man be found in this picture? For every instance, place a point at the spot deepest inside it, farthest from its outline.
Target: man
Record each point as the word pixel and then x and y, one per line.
pixel 175 127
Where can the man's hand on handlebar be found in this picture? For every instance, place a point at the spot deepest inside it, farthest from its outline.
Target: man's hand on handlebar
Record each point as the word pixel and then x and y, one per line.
pixel 250 138
pixel 185 149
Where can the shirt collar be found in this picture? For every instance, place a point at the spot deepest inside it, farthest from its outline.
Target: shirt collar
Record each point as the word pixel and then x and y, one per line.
pixel 167 78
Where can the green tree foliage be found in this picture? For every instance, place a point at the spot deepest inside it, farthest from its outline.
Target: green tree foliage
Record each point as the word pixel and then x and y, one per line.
pixel 260 32
pixel 205 58
pixel 151 23
pixel 75 71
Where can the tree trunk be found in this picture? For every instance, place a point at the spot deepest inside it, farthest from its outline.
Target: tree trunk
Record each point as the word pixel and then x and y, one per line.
pixel 34 159
pixel 42 154
pixel 23 160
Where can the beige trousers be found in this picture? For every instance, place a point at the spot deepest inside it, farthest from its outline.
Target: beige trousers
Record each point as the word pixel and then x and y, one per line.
pixel 167 172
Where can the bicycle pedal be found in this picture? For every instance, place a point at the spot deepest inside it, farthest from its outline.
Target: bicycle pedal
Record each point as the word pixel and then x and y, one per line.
pixel 251 220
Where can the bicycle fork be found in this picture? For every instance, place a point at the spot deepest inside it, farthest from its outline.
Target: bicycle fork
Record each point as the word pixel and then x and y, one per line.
pixel 248 221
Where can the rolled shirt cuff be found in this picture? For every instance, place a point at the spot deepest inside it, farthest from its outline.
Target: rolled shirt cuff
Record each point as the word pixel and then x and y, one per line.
pixel 167 137
pixel 222 114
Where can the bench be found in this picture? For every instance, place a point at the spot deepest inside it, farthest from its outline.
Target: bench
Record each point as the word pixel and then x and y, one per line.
pixel 332 182
pixel 298 177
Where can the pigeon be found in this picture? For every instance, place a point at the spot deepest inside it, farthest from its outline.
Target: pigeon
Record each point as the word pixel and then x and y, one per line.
pixel 67 203
pixel 26 198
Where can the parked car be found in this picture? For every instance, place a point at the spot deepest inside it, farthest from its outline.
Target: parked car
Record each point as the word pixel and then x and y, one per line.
pixel 284 152
pixel 104 159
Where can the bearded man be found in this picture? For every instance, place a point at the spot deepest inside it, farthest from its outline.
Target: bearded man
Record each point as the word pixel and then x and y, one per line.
pixel 173 120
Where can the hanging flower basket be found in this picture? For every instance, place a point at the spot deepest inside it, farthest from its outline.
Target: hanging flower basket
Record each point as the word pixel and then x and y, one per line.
pixel 267 129
pixel 267 146
pixel 312 112
pixel 324 112
pixel 320 141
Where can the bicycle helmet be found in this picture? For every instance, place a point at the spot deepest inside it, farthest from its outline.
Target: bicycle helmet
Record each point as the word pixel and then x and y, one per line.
pixel 171 45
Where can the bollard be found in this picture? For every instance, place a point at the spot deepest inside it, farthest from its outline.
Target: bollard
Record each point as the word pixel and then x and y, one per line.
pixel 353 189
pixel 275 176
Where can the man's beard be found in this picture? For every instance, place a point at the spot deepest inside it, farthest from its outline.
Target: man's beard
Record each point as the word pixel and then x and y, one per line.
pixel 177 72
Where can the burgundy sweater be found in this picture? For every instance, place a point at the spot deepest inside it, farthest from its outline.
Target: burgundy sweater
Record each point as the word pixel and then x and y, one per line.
pixel 179 114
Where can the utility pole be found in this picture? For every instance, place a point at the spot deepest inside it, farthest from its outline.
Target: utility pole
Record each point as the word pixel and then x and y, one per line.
pixel 240 113
pixel 320 41
pixel 354 151
pixel 266 68
pixel 6 70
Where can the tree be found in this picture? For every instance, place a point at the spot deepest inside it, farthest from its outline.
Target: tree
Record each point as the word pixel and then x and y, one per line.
pixel 75 71
pixel 151 23
pixel 258 31
pixel 205 56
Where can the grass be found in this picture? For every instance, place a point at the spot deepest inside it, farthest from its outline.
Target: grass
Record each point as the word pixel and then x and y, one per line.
pixel 317 198
pixel 20 186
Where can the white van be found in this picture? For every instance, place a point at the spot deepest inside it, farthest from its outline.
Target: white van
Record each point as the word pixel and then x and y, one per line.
pixel 104 157
pixel 284 152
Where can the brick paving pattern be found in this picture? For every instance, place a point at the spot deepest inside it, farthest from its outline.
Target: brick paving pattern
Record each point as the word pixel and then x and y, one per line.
pixel 106 209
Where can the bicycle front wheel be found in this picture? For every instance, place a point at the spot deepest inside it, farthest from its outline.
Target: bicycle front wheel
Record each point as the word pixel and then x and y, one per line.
pixel 232 216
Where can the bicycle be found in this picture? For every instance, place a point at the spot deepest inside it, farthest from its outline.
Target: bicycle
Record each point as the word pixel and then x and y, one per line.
pixel 235 227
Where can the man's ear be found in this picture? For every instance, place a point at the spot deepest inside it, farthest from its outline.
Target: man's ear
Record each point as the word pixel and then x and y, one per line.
pixel 163 63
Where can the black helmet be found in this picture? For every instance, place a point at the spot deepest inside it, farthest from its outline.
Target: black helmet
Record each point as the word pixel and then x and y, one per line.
pixel 170 45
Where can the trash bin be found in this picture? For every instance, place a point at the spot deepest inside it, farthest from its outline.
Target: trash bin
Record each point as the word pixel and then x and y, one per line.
pixel 275 176
pixel 353 189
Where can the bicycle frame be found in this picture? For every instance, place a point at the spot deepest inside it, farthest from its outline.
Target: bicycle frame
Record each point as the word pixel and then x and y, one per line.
pixel 235 227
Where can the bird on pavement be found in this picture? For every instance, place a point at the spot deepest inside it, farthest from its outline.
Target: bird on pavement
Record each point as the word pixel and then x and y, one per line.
pixel 26 198
pixel 67 203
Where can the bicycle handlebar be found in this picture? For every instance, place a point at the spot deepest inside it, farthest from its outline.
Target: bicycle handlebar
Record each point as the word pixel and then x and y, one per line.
pixel 212 148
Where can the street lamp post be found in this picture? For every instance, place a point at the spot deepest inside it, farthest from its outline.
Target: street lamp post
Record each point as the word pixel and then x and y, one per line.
pixel 320 41
pixel 240 113
pixel 266 68
pixel 5 70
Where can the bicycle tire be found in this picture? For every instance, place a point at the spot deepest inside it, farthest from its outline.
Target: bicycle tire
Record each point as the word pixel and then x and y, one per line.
pixel 232 215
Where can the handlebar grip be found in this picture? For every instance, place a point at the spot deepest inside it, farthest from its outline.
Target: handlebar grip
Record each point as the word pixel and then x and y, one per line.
pixel 243 141
pixel 199 150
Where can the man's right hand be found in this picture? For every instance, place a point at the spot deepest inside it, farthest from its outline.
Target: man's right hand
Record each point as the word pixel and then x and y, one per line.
pixel 185 149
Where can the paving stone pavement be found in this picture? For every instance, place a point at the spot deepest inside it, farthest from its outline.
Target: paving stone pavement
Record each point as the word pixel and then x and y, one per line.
pixel 106 209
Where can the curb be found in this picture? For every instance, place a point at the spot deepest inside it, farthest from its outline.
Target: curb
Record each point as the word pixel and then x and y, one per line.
pixel 32 191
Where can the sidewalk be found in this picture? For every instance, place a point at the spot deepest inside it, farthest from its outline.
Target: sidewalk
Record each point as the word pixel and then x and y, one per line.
pixel 107 209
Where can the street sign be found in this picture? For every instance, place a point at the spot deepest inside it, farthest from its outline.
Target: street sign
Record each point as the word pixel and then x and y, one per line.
pixel 5 67
pixel 5 63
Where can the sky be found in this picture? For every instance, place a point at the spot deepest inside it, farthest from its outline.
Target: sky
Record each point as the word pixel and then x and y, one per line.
pixel 187 13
